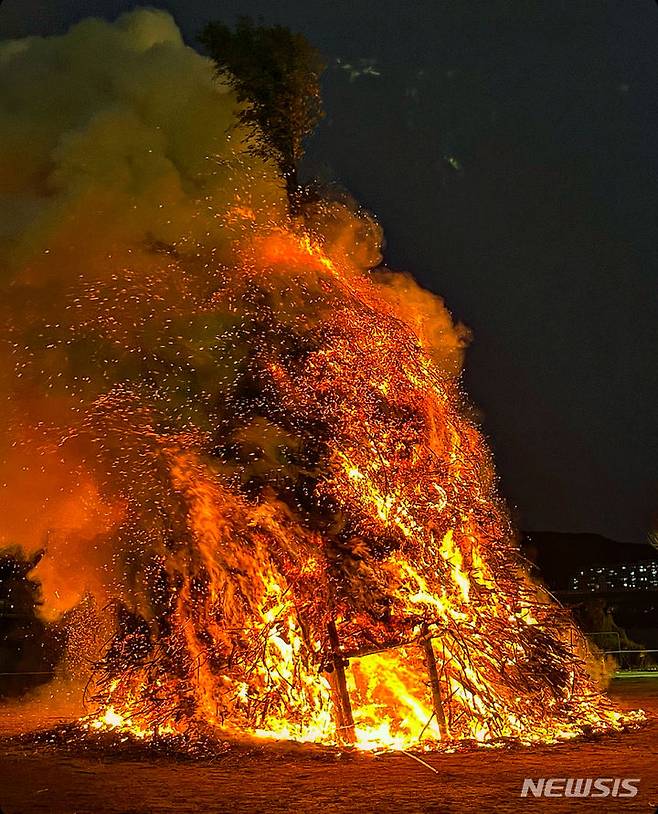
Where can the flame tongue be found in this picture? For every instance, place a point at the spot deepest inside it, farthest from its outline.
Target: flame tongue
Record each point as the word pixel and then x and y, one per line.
pixel 343 487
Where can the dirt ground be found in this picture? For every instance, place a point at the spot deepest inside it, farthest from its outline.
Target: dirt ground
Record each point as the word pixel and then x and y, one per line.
pixel 274 780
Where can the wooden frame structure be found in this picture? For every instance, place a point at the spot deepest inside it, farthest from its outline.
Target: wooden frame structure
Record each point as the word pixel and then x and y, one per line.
pixel 339 661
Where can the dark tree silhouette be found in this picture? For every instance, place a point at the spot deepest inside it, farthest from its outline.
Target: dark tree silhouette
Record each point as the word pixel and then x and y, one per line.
pixel 28 647
pixel 275 75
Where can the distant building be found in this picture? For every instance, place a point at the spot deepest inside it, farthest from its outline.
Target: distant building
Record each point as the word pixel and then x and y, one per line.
pixel 597 577
pixel 637 576
pixel 563 560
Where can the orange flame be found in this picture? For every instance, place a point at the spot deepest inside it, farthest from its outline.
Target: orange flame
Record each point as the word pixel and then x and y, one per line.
pixel 411 546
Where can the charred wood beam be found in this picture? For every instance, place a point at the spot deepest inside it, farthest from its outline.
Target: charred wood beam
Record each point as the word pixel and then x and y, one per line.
pixel 377 648
pixel 339 687
pixel 435 687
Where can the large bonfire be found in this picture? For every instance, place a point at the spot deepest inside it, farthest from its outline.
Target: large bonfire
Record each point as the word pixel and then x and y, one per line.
pixel 242 444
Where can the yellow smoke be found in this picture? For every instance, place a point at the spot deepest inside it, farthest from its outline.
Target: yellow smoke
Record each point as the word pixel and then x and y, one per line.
pixel 125 190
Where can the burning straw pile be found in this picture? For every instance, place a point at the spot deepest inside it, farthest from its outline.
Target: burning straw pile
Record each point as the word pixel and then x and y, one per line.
pixel 248 446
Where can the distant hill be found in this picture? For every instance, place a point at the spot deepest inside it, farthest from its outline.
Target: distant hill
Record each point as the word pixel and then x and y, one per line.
pixel 560 555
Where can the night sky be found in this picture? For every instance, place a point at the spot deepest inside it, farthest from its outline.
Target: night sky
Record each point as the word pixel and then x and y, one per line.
pixel 509 149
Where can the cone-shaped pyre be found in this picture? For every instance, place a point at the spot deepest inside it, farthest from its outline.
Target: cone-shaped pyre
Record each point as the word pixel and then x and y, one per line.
pixel 242 441
pixel 338 519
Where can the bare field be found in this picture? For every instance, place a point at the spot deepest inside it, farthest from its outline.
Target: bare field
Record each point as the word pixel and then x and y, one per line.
pixel 276 780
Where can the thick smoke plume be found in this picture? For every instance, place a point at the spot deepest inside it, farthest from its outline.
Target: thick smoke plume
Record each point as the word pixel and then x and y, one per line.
pixel 227 430
pixel 124 186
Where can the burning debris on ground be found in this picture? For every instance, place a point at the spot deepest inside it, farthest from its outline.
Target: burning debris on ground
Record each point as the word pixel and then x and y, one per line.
pixel 250 451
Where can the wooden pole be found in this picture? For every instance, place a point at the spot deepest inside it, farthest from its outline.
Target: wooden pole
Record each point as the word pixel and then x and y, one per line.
pixel 339 685
pixel 435 686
